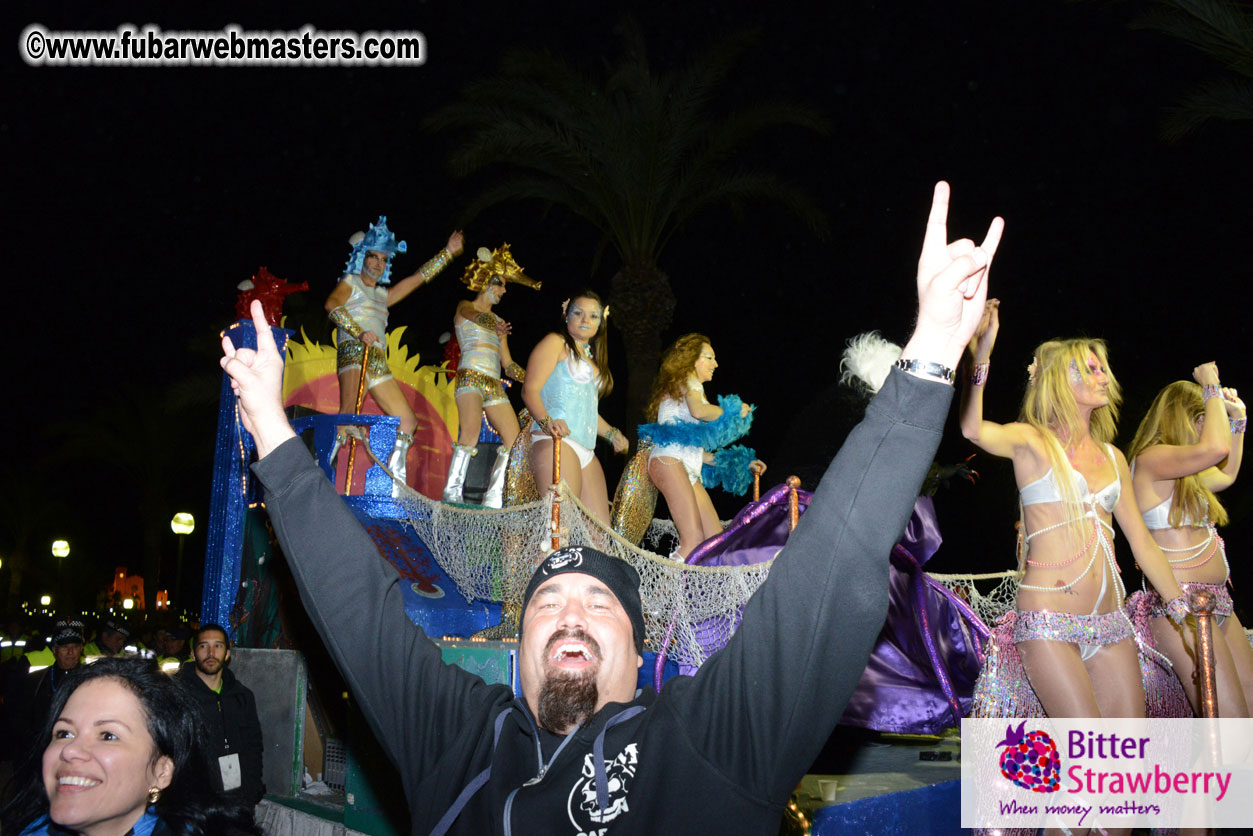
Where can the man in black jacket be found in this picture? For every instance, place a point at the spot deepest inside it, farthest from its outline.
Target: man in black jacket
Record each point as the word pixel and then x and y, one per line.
pixel 28 707
pixel 230 713
pixel 730 742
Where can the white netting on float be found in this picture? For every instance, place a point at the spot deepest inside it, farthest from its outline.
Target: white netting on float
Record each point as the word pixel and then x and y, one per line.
pixel 990 596
pixel 490 555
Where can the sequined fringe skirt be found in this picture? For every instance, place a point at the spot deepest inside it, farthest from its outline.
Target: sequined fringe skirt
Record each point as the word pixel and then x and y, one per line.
pixel 1163 693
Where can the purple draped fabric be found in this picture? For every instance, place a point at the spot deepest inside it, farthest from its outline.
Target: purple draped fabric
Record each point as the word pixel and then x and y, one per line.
pixel 922 671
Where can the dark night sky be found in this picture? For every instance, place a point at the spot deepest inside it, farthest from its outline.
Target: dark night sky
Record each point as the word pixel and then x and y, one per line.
pixel 138 198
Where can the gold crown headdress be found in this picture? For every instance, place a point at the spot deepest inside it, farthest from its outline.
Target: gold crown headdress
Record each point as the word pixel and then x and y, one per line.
pixel 498 262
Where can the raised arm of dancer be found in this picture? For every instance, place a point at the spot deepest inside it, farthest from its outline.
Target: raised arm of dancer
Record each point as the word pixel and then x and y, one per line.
pixel 544 359
pixel 1224 475
pixel 998 439
pixel 426 272
pixel 1147 553
pixel 1172 461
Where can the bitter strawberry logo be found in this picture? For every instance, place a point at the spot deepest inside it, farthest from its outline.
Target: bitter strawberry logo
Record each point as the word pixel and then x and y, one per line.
pixel 1030 759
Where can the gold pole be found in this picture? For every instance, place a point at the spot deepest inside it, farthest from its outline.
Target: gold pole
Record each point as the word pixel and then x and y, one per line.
pixel 793 501
pixel 557 495
pixel 352 439
pixel 756 486
pixel 1201 603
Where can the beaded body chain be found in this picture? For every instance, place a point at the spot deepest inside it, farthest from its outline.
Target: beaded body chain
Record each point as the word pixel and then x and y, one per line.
pixel 1194 552
pixel 1213 543
pixel 1104 546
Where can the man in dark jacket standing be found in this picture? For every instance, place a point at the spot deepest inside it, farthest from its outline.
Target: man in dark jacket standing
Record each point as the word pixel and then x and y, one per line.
pixel 28 708
pixel 230 712
pixel 581 752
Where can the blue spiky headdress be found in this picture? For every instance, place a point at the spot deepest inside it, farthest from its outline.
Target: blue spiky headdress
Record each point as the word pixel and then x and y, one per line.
pixel 380 239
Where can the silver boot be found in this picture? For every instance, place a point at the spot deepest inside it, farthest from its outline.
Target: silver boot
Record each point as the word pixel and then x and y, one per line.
pixel 495 495
pixel 457 473
pixel 397 460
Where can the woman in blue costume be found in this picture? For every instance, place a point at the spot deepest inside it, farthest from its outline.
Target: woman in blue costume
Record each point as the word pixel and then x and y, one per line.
pixel 567 375
pixel 1188 447
pixel 1075 642
pixel 687 431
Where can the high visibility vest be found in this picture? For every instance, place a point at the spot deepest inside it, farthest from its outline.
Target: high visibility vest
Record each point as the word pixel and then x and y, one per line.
pixel 41 658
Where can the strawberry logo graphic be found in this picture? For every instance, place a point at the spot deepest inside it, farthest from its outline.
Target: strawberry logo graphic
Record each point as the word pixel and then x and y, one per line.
pixel 1030 760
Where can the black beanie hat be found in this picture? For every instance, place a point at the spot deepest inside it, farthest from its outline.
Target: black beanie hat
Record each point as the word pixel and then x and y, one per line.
pixel 618 575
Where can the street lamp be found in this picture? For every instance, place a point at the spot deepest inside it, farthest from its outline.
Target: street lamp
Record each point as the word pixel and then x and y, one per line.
pixel 60 550
pixel 182 525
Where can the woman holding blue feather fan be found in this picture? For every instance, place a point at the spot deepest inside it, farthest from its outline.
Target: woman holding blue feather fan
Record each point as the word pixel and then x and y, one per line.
pixel 690 440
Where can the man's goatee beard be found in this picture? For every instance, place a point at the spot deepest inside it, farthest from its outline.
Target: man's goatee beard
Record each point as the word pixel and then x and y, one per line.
pixel 567 700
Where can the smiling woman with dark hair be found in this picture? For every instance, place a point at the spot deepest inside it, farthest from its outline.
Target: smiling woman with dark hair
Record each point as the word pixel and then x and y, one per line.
pixel 123 757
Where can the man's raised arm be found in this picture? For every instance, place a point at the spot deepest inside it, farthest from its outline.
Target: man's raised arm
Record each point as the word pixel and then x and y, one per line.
pixel 761 709
pixel 350 592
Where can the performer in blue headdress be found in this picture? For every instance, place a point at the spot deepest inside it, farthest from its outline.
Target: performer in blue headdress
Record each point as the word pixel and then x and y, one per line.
pixel 358 307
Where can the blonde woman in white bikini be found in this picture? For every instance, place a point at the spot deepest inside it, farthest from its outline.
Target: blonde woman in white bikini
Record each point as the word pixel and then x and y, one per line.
pixel 1075 641
pixel 1188 448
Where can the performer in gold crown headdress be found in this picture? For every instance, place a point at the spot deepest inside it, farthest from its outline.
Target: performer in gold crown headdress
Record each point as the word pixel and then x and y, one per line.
pixel 358 307
pixel 484 341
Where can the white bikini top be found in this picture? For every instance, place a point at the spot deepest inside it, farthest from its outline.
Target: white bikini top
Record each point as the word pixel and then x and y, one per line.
pixel 1045 489
pixel 676 410
pixel 1158 517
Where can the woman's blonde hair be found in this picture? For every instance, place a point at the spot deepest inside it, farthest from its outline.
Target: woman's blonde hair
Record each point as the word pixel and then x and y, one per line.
pixel 1171 419
pixel 1049 406
pixel 678 363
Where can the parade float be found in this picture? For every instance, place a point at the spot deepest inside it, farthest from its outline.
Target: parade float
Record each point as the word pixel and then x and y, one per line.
pixel 463 569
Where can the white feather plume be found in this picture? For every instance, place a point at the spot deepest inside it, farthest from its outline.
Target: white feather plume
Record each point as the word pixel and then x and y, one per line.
pixel 356 238
pixel 867 360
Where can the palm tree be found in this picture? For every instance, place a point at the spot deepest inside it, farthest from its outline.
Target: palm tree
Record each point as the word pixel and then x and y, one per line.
pixel 1224 31
pixel 635 153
